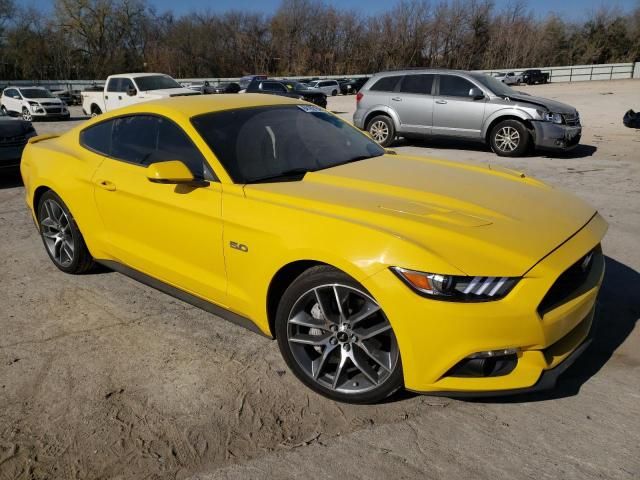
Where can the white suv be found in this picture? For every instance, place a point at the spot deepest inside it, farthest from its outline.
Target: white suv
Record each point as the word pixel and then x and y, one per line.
pixel 32 103
pixel 328 87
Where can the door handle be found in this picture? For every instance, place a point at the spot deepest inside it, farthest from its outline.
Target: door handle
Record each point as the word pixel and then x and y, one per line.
pixel 106 97
pixel 119 97
pixel 441 102
pixel 107 185
pixel 397 99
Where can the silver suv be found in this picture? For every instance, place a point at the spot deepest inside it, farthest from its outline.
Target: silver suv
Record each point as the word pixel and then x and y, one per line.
pixel 458 104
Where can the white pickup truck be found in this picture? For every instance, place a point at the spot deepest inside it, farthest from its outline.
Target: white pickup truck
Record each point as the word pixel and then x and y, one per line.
pixel 129 88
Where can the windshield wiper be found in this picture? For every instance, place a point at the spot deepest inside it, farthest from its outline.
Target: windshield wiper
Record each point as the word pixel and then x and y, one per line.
pixel 292 174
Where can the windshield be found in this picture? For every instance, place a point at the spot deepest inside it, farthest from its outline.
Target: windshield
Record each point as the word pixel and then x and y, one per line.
pixel 36 93
pixel 281 142
pixel 494 85
pixel 156 82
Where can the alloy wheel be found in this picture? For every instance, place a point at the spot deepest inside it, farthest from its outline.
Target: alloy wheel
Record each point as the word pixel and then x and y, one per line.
pixel 507 139
pixel 56 232
pixel 341 339
pixel 26 115
pixel 379 131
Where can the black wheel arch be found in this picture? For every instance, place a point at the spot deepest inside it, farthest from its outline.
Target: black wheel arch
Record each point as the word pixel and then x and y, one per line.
pixel 494 122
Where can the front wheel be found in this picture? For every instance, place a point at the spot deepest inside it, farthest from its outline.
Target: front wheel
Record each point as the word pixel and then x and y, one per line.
pixel 61 237
pixel 26 114
pixel 382 130
pixel 336 339
pixel 509 138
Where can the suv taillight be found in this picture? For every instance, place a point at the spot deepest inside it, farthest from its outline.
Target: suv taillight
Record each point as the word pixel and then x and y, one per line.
pixel 359 96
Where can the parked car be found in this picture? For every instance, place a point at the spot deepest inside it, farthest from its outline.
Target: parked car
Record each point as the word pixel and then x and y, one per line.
pixel 509 78
pixel 246 80
pixel 273 87
pixel 226 87
pixel 131 88
pixel 466 105
pixel 32 103
pixel 532 77
pixel 64 95
pixel 328 87
pixel 373 271
pixel 353 86
pixel 14 135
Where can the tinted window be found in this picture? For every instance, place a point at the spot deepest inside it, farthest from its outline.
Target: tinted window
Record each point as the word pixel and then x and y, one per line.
pixel 455 86
pixel 417 84
pixel 114 85
pixel 126 84
pixel 156 82
pixel 273 87
pixel 260 143
pixel 146 139
pixel 98 137
pixel 386 84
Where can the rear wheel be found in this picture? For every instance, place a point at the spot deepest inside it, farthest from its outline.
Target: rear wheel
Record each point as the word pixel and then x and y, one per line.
pixel 336 339
pixel 382 130
pixel 334 93
pixel 95 111
pixel 61 237
pixel 509 138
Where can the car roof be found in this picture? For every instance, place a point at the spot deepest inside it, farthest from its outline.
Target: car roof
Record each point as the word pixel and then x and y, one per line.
pixel 137 75
pixel 186 107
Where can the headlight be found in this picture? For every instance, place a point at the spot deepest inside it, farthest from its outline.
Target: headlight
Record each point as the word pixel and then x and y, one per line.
pixel 550 116
pixel 455 287
pixel 34 104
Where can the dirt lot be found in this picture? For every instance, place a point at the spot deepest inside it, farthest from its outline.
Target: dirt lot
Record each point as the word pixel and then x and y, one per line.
pixel 101 377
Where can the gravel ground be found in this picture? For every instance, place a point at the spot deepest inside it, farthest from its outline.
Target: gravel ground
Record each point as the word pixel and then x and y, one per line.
pixel 101 377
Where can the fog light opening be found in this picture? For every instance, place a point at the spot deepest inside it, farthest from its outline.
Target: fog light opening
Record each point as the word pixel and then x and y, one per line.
pixel 491 363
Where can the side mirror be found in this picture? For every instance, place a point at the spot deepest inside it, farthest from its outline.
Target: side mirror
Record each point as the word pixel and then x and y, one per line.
pixel 172 172
pixel 476 93
pixel 132 92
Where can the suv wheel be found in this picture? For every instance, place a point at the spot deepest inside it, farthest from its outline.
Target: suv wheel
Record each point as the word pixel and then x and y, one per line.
pixel 336 339
pixel 382 130
pixel 509 138
pixel 334 93
pixel 26 114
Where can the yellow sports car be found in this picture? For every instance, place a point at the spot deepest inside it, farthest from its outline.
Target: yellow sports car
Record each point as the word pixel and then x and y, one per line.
pixel 374 271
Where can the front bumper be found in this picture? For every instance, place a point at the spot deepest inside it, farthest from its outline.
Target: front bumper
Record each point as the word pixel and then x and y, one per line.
pixel 47 114
pixel 553 136
pixel 435 336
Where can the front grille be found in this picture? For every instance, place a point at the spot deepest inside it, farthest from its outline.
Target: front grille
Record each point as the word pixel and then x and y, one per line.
pixel 49 104
pixel 16 141
pixel 53 110
pixel 570 281
pixel 571 119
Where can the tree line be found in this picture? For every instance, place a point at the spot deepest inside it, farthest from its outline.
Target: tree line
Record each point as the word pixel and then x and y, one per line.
pixel 90 39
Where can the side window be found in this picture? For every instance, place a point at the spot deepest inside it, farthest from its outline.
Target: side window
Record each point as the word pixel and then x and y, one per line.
pixel 417 84
pixel 126 84
pixel 135 138
pixel 98 137
pixel 114 85
pixel 385 84
pixel 453 86
pixel 174 144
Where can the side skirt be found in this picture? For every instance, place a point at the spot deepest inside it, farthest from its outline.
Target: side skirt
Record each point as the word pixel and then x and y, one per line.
pixel 184 296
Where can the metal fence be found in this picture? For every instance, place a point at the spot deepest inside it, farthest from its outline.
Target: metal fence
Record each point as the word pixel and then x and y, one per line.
pixel 572 73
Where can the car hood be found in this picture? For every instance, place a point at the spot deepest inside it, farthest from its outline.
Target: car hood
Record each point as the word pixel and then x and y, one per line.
pixel 551 105
pixel 44 100
pixel 172 92
pixel 482 220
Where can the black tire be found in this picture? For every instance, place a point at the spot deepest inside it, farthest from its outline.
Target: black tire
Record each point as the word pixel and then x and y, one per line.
pixel 26 115
pixel 4 110
pixel 509 138
pixel 325 277
pixel 334 93
pixel 95 111
pixel 384 137
pixel 80 260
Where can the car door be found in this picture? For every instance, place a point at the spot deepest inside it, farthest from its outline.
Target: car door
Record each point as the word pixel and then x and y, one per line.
pixel 455 112
pixel 414 103
pixel 13 100
pixel 117 95
pixel 170 232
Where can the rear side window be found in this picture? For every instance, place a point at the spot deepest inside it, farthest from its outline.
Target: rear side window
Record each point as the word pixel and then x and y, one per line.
pixel 385 84
pixel 114 85
pixel 453 86
pixel 417 84
pixel 98 138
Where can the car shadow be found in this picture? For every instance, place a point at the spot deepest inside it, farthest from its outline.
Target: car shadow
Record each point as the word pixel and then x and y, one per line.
pixel 617 313
pixel 10 178
pixel 581 151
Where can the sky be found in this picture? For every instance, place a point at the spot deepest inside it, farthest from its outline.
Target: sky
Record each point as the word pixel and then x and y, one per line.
pixel 568 9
